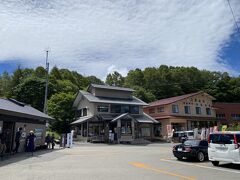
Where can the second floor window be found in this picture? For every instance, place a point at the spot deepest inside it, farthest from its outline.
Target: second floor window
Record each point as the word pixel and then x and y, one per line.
pixel 160 109
pixel 208 111
pixel 103 108
pixel 187 109
pixel 198 110
pixel 151 110
pixel 115 108
pixel 235 116
pixel 84 112
pixel 220 116
pixel 134 109
pixel 175 109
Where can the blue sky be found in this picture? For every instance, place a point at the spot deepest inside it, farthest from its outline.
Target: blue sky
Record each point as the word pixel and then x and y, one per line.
pixel 96 37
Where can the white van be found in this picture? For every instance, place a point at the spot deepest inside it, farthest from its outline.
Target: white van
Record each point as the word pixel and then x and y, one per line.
pixel 224 146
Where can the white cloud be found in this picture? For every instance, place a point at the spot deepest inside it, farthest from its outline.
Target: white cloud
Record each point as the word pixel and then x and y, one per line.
pixel 96 36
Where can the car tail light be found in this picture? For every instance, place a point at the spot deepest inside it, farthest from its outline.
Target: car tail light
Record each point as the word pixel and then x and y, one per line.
pixel 237 146
pixel 188 149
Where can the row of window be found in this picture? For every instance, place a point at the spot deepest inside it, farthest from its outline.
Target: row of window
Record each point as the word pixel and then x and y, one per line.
pixel 187 110
pixel 175 109
pixel 115 108
pixel 222 116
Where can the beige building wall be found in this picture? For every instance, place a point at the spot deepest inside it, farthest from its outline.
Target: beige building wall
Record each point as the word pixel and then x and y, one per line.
pixel 84 103
pixel 203 101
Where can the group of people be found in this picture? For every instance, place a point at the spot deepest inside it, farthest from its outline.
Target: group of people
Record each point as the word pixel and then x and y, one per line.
pixel 29 144
pixel 50 140
pixel 30 141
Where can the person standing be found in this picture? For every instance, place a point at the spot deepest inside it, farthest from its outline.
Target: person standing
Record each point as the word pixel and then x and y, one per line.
pixel 53 141
pixel 17 140
pixel 48 141
pixel 31 142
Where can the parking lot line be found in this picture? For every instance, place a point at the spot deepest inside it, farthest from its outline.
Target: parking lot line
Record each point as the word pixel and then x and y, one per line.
pixel 148 167
pixel 201 166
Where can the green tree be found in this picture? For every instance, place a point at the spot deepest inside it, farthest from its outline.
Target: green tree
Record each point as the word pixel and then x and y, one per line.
pixel 60 108
pixel 115 79
pixel 32 91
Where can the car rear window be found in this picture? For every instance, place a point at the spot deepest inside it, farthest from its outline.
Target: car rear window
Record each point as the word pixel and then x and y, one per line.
pixel 222 138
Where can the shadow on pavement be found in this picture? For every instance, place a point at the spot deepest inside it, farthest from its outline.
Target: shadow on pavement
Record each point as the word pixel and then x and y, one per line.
pixel 230 166
pixel 9 159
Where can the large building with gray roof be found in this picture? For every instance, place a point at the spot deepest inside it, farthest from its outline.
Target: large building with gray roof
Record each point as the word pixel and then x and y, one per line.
pixel 109 113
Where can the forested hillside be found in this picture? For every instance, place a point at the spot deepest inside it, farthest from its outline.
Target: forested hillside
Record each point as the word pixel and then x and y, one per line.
pixel 28 85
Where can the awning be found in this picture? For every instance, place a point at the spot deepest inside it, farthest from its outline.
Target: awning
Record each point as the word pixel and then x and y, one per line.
pixel 119 117
pixel 145 119
pixel 81 120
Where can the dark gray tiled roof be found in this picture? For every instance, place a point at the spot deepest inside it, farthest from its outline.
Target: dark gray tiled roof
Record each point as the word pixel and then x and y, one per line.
pixel 81 120
pixel 92 98
pixel 15 108
pixel 110 87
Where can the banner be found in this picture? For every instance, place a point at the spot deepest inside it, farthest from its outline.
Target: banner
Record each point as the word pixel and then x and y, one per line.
pixel 169 130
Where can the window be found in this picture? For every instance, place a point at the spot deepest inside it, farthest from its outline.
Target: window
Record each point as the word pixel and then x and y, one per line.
pixel 84 111
pixel 115 108
pixel 125 109
pixel 198 110
pixel 222 138
pixel 160 109
pixel 103 108
pixel 175 109
pixel 151 110
pixel 208 111
pixel 187 109
pixel 220 116
pixel 126 127
pixel 236 116
pixel 134 109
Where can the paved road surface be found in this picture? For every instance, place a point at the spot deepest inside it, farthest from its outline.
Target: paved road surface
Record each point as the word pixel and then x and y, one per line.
pixel 109 162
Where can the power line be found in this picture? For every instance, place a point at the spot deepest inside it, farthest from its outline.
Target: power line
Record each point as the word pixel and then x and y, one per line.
pixel 234 18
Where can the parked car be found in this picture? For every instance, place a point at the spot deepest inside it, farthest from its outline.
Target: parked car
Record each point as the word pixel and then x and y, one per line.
pixel 181 136
pixel 192 149
pixel 224 146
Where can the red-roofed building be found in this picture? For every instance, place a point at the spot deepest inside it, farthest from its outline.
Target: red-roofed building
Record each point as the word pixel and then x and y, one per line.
pixel 184 112
pixel 227 113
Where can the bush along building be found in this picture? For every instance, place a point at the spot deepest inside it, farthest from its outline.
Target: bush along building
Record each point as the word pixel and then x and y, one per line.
pixel 184 112
pixel 15 114
pixel 111 114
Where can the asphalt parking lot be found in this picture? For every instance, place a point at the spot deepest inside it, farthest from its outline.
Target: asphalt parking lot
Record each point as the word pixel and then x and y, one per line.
pixel 101 161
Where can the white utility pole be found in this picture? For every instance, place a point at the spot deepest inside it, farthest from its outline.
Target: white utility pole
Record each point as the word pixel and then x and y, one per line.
pixel 46 87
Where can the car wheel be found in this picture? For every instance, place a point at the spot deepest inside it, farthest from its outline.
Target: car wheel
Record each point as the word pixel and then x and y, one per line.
pixel 200 156
pixel 215 163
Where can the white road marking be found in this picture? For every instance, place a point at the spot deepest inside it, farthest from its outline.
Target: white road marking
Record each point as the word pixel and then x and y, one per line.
pixel 201 166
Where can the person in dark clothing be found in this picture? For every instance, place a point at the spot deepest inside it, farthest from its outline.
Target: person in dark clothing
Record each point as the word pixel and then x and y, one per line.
pixel 53 141
pixel 31 142
pixel 17 140
pixel 48 140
